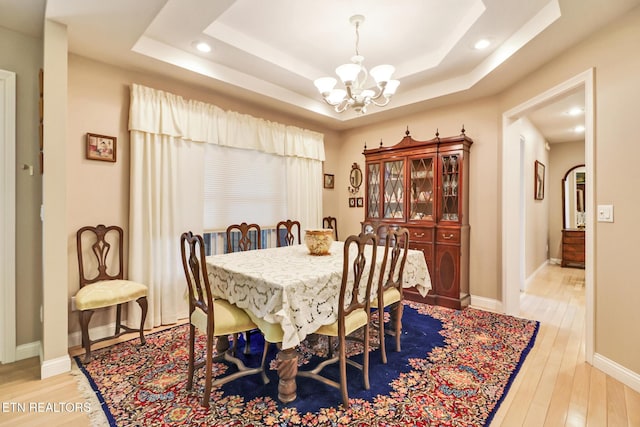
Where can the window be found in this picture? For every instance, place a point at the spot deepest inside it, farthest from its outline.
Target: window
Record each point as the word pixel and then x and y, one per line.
pixel 243 186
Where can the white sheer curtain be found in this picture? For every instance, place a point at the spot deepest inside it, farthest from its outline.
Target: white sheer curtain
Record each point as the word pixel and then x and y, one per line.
pixel 167 183
pixel 165 200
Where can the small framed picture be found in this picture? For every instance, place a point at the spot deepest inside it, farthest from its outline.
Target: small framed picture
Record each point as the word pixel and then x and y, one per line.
pixel 352 202
pixel 539 181
pixel 360 202
pixel 101 147
pixel 328 180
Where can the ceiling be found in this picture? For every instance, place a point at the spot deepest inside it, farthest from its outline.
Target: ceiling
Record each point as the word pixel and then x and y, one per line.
pixel 270 52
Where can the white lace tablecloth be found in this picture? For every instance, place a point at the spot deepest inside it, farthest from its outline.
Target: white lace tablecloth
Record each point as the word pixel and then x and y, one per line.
pixel 290 287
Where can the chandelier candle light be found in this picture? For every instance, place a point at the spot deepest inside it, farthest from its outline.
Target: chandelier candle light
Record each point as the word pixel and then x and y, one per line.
pixel 354 76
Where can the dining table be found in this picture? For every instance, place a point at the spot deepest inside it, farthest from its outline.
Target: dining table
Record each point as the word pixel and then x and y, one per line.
pixel 289 294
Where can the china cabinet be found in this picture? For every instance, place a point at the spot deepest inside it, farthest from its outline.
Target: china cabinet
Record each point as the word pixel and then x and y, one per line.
pixel 423 185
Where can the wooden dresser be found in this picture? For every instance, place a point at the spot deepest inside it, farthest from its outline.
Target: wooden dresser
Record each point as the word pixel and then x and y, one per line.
pixel 573 248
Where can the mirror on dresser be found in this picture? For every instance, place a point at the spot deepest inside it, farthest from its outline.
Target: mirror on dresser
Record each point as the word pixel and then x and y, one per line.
pixel 573 198
pixel 573 217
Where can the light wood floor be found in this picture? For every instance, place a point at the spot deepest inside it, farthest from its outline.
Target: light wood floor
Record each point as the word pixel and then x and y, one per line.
pixel 555 387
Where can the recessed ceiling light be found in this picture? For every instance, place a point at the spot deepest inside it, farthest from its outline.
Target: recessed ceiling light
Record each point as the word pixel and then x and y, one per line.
pixel 482 44
pixel 202 46
pixel 578 129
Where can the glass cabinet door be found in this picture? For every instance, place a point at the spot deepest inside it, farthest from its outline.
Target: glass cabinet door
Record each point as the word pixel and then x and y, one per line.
pixel 450 182
pixel 393 189
pixel 373 190
pixel 422 189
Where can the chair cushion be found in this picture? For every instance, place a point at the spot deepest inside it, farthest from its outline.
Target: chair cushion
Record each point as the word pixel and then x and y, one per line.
pixel 228 319
pixel 390 296
pixel 272 332
pixel 106 293
pixel 354 320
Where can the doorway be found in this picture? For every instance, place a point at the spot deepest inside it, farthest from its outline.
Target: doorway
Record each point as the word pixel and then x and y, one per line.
pixel 512 206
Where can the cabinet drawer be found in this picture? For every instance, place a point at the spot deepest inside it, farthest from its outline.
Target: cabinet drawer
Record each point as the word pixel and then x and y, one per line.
pixel 573 257
pixel 573 240
pixel 426 249
pixel 572 248
pixel 573 233
pixel 420 234
pixel 448 235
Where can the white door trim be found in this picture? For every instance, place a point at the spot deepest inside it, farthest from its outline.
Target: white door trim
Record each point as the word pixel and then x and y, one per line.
pixel 512 212
pixel 7 216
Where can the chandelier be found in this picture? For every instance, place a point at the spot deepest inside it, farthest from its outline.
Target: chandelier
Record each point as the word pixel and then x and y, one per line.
pixel 354 77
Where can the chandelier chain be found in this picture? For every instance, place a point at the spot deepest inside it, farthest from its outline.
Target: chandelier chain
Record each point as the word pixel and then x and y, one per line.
pixel 357 38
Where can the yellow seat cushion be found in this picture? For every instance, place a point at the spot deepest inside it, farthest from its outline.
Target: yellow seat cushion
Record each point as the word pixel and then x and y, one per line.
pixel 272 332
pixel 106 293
pixel 353 321
pixel 228 319
pixel 390 296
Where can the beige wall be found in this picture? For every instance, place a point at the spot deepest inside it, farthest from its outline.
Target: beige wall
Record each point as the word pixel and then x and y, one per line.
pixel 562 157
pixel 536 213
pixel 23 55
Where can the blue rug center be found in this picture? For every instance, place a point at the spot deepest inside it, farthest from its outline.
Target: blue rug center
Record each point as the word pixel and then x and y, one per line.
pixel 420 334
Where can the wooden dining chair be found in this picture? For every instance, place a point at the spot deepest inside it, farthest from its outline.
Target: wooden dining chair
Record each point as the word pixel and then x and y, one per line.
pixel 214 316
pixel 286 233
pixel 353 312
pixel 332 223
pixel 250 237
pixel 389 292
pixel 106 285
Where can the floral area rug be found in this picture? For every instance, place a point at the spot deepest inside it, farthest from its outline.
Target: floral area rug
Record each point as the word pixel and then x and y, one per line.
pixel 454 369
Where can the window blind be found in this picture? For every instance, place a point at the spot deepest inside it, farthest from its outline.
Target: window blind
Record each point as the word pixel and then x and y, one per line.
pixel 243 186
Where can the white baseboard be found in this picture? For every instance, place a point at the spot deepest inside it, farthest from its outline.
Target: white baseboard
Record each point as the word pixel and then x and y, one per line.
pixel 488 304
pixel 557 261
pixel 626 376
pixel 528 280
pixel 57 366
pixel 25 351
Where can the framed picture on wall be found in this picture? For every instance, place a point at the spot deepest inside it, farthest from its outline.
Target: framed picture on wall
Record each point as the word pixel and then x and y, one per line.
pixel 328 180
pixel 538 191
pixel 360 202
pixel 352 202
pixel 101 147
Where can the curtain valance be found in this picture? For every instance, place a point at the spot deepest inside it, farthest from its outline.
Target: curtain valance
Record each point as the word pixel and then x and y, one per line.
pixel 158 112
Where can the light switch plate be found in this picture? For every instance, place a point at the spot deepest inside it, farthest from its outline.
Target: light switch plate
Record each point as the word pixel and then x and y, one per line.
pixel 605 213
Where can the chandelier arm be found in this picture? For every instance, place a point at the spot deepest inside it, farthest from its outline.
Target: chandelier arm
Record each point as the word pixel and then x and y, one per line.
pixel 349 92
pixel 381 104
pixel 328 102
pixel 342 107
pixel 380 90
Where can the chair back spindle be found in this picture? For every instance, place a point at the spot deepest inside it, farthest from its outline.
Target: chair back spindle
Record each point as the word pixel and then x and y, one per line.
pixel 357 265
pixel 246 242
pixel 286 233
pixel 100 249
pixel 332 223
pixel 193 255
pixel 396 250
